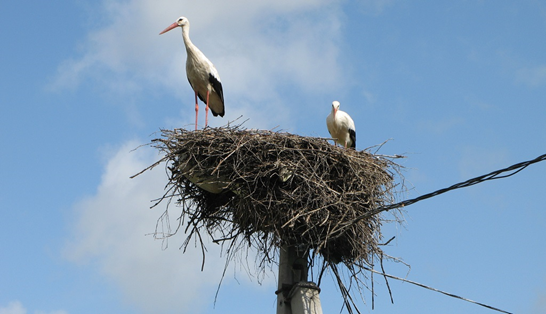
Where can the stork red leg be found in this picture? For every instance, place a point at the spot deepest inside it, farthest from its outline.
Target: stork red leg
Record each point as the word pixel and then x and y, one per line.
pixel 207 111
pixel 196 110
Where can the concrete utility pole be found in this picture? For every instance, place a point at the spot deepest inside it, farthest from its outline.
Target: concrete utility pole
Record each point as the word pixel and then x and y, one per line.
pixel 296 295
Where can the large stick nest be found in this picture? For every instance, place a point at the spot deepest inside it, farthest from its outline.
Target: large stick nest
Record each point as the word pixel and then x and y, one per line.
pixel 289 189
pixel 270 189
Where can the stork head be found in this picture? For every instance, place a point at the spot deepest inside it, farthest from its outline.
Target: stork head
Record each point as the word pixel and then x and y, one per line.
pixel 181 22
pixel 335 106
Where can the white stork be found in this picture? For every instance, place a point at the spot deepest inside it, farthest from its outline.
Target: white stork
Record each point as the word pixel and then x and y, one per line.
pixel 202 75
pixel 341 127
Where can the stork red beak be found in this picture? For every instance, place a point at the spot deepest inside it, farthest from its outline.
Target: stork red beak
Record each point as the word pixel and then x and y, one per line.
pixel 173 25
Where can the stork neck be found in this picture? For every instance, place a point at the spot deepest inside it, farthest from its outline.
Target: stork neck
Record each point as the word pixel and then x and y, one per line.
pixel 187 41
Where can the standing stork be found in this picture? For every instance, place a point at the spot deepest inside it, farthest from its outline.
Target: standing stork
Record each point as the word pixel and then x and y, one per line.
pixel 341 126
pixel 202 75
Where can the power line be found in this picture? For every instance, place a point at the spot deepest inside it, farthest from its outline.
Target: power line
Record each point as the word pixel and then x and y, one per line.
pixel 436 290
pixel 486 177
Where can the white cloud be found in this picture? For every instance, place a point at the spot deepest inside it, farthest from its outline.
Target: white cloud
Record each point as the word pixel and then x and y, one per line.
pixel 112 231
pixel 534 76
pixel 259 47
pixel 540 304
pixel 375 6
pixel 15 307
pixel 440 126
pixel 476 161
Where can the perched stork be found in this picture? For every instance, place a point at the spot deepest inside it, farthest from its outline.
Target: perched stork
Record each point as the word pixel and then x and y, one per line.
pixel 341 126
pixel 202 75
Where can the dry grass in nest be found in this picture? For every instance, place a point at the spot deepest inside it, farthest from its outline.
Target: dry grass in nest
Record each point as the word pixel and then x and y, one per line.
pixel 278 189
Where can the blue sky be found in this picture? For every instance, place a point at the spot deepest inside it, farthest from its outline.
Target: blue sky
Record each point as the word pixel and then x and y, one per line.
pixel 459 87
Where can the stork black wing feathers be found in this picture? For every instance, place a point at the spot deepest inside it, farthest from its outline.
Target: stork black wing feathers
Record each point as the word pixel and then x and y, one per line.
pixel 217 85
pixel 352 136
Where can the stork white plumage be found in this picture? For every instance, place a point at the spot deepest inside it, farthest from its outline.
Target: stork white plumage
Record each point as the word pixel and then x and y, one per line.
pixel 202 75
pixel 341 127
